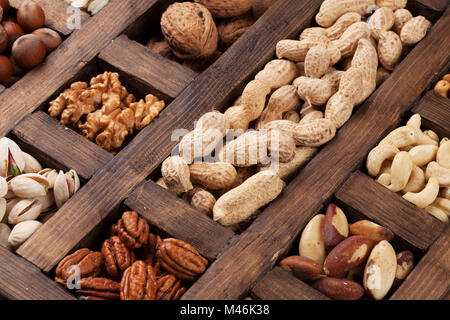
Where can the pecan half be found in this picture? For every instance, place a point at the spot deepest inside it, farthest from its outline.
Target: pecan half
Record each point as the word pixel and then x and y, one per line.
pixel 181 259
pixel 117 256
pixel 148 253
pixel 169 288
pixel 99 288
pixel 138 282
pixel 132 230
pixel 89 263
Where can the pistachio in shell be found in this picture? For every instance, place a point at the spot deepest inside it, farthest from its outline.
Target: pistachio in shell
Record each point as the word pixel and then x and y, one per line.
pixel 3 187
pixel 2 208
pixel 26 209
pixel 31 164
pixel 12 161
pixel 22 231
pixel 61 189
pixel 51 175
pixel 29 185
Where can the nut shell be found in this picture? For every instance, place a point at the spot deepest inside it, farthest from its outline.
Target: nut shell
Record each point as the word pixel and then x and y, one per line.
pixel 227 8
pixel 190 30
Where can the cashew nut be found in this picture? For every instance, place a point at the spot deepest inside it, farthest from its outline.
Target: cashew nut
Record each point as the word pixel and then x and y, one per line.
pixel 425 197
pixel 443 204
pixel 416 181
pixel 401 169
pixel 415 121
pixel 437 213
pixel 441 173
pixel 384 179
pixel 423 154
pixel 443 154
pixel 401 137
pixel 378 155
pixel 433 135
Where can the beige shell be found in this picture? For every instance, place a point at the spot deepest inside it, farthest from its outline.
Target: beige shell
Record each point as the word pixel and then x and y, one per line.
pixel 31 164
pixel 313 33
pixel 278 73
pixel 366 58
pixel 190 30
pixel 381 20
pixel 392 4
pixel 9 146
pixel 51 175
pixel 25 210
pixel 338 28
pixel 315 91
pixel 227 8
pixel 333 77
pixel 232 29
pixel 247 150
pixel 203 201
pixel 314 133
pixel 29 185
pixel 414 30
pixel 175 172
pixel 241 202
pixel 2 208
pixel 22 231
pixel 5 231
pixel 73 182
pixel 331 10
pixel 47 201
pixel 348 42
pixel 292 115
pixel 213 176
pixel 61 189
pixel 282 100
pixel 3 187
pixel 389 49
pixel 339 109
pixel 296 50
pixel 317 61
pixel 401 17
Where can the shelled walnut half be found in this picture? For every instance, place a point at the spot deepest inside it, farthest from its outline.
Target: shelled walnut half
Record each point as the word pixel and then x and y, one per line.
pixel 104 111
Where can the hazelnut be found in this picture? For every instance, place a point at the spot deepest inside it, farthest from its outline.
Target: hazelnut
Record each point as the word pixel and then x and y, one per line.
pixel 3 39
pixel 6 68
pixel 49 37
pixel 13 30
pixel 190 30
pixel 30 16
pixel 28 51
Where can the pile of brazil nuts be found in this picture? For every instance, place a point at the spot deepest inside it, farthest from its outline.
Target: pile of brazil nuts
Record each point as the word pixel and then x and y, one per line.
pixel 335 258
pixel 232 183
pixel 416 164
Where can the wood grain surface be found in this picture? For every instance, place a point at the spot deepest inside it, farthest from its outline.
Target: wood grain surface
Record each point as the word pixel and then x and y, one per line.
pixel 435 113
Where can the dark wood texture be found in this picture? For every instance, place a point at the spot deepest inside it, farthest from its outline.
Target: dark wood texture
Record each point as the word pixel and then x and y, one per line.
pixel 20 280
pixel 45 138
pixel 315 184
pixel 39 84
pixel 429 280
pixel 178 219
pixel 378 203
pixel 211 90
pixel 279 284
pixel 155 71
pixel 56 14
pixel 435 113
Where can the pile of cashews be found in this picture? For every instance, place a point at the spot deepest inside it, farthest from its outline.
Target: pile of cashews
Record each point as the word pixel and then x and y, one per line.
pixel 416 164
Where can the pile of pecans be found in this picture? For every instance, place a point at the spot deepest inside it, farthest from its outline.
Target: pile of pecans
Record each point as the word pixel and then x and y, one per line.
pixel 335 258
pixel 133 264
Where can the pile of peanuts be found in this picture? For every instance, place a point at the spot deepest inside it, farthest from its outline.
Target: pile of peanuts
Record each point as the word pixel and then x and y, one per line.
pixel 239 180
pixel 443 86
pixel 336 257
pixel 416 164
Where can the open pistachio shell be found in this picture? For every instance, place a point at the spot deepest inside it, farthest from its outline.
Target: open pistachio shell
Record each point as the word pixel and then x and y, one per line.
pixel 9 205
pixel 73 182
pixel 61 189
pixel 2 208
pixel 51 175
pixel 3 187
pixel 5 231
pixel 24 210
pixel 12 161
pixel 31 164
pixel 47 201
pixel 30 185
pixel 22 231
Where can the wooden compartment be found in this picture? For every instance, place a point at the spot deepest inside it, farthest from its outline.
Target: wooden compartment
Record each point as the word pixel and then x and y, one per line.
pixel 238 261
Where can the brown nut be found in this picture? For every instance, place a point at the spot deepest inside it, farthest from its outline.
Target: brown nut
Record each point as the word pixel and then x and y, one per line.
pixel 132 230
pixel 99 289
pixel 231 30
pixel 346 255
pixel 339 289
pixel 405 263
pixel 117 256
pixel 190 30
pixel 89 263
pixel 442 88
pixel 169 288
pixel 335 227
pixel 148 252
pixel 181 259
pixel 371 230
pixel 303 268
pixel 138 282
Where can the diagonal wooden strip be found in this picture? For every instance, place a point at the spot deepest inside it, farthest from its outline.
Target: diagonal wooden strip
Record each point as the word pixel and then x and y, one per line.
pixel 279 284
pixel 39 84
pixel 429 280
pixel 178 219
pixel 435 113
pixel 155 71
pixel 259 247
pixel 20 280
pixel 365 195
pixel 45 138
pixel 210 90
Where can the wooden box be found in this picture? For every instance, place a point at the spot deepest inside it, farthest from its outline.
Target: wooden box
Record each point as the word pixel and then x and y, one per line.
pixel 241 264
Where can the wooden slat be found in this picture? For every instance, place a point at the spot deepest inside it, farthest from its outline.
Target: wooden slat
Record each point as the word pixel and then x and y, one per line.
pixel 279 284
pixel 259 247
pixel 39 84
pixel 155 71
pixel 378 203
pixel 429 280
pixel 437 5
pixel 178 219
pixel 56 14
pixel 45 138
pixel 20 280
pixel 435 113
pixel 210 90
